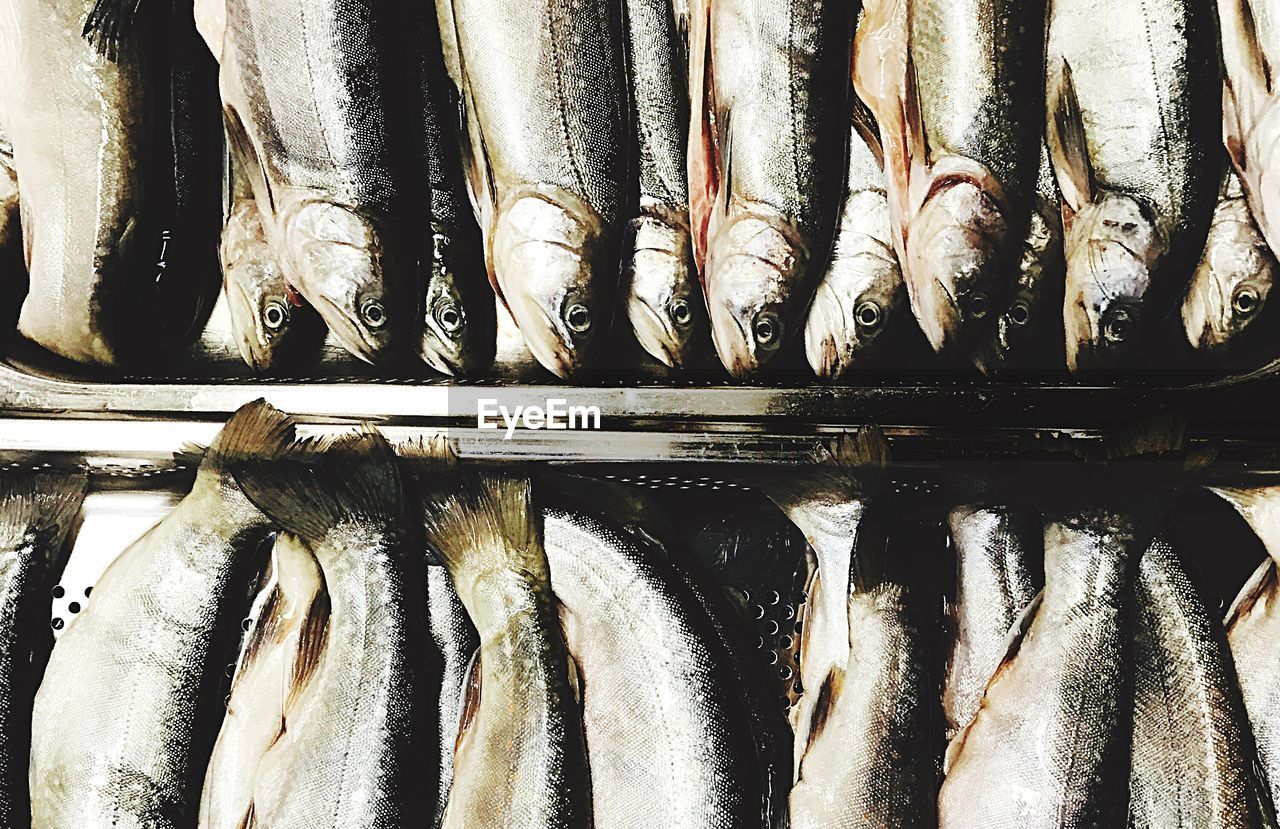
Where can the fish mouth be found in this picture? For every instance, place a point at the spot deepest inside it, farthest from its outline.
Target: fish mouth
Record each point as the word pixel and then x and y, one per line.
pixel 826 317
pixel 453 366
pixel 349 334
pixel 253 350
pixel 656 334
pixel 543 338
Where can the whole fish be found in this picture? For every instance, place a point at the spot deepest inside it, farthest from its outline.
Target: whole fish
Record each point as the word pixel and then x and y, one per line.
pixel 959 106
pixel 326 153
pixel 520 759
pixel 1033 315
pixel 1251 114
pixel 277 661
pixel 126 718
pixel 1049 745
pixel 1253 629
pixel 455 642
pixel 861 293
pixel 273 326
pixel 668 728
pixel 548 164
pixel 663 303
pixel 998 550
pixel 864 764
pixel 1192 745
pixel 120 180
pixel 37 512
pixel 460 322
pixel 1231 284
pixel 1136 162
pixel 765 163
pixel 349 754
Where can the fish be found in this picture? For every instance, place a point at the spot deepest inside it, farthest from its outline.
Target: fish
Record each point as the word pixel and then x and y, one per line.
pixel 327 155
pixel 766 164
pixel 676 748
pixel 663 300
pixel 959 108
pixel 273 325
pixel 38 513
pixel 1033 317
pixel 1136 161
pixel 278 660
pixel 349 755
pixel 120 181
pixel 10 221
pixel 547 162
pixel 864 764
pixel 1193 747
pixel 126 717
pixel 455 643
pixel 998 549
pixel 521 759
pixel 861 293
pixel 1050 743
pixel 1230 286
pixel 460 318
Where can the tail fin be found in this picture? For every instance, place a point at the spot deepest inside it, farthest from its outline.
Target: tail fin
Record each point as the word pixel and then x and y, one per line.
pixel 256 430
pixel 317 485
pixel 476 510
pixel 43 504
pixel 108 23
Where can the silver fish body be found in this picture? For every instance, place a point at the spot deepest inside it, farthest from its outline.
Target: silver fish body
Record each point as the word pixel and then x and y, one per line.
pixel 37 512
pixel 1192 744
pixel 1136 162
pixel 1230 286
pixel 668 729
pixel 998 549
pixel 765 163
pixel 544 96
pixel 455 642
pixel 126 717
pixel 1049 746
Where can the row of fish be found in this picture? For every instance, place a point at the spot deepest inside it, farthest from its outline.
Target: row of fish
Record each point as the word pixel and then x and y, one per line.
pixel 567 660
pixel 710 167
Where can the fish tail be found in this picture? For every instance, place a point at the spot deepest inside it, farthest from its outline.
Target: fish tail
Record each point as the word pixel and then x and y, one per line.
pixel 108 24
pixel 45 503
pixel 318 485
pixel 311 644
pixel 478 513
pixel 256 430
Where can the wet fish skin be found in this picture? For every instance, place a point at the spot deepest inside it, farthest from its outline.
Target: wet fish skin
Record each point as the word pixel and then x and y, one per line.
pixel 1049 746
pixel 349 755
pixel 1192 744
pixel 765 160
pixel 676 747
pixel 126 717
pixel 456 643
pixel 547 166
pixel 520 760
pixel 663 302
pixel 36 519
pixel 1136 163
pixel 276 662
pixel 1230 286
pixel 998 548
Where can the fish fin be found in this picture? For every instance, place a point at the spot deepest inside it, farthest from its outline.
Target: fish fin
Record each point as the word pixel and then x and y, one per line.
pixel 470 701
pixel 703 163
pixel 575 677
pixel 312 638
pixel 1160 437
pixel 244 159
pixel 471 511
pixel 1068 147
pixel 257 431
pixel 45 503
pixel 1263 582
pixel 264 632
pixel 433 450
pixel 1256 65
pixel 1232 130
pixel 865 450
pixel 914 135
pixel 108 23
pixel 249 821
pixel 828 695
pixel 865 127
pixel 316 486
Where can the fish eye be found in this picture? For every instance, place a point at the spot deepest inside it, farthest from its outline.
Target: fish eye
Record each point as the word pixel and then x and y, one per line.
pixel 681 312
pixel 977 306
pixel 1246 302
pixel 450 317
pixel 767 329
pixel 578 318
pixel 275 315
pixel 1117 327
pixel 868 314
pixel 374 315
pixel 1019 313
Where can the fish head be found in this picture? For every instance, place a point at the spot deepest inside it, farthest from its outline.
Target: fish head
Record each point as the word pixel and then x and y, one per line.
pixel 458 336
pixel 753 270
pixel 1029 311
pixel 550 253
pixel 663 300
pixel 956 262
pixel 1111 251
pixel 342 266
pixel 1228 290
